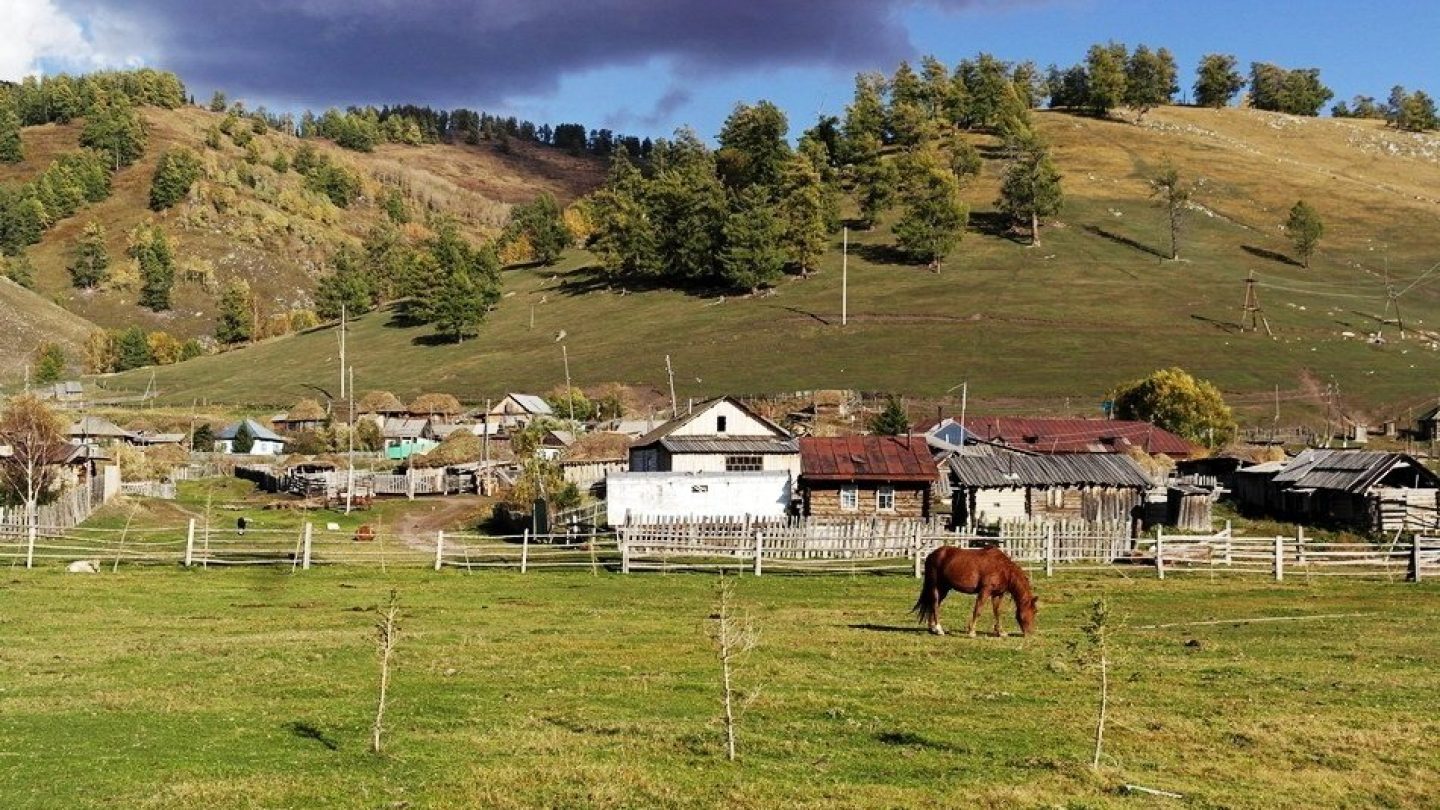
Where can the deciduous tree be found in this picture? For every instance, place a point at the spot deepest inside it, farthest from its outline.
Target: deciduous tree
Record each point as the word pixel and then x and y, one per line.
pixel 1304 228
pixel 1173 193
pixel 1173 400
pixel 1216 80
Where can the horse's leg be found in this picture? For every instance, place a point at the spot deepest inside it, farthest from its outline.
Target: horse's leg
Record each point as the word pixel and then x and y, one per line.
pixel 975 614
pixel 995 603
pixel 936 595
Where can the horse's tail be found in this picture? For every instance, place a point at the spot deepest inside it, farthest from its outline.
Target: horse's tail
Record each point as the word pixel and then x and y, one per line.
pixel 924 608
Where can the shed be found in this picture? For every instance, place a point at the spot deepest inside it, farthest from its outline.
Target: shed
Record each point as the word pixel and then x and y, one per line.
pixel 1366 490
pixel 1008 486
pixel 850 476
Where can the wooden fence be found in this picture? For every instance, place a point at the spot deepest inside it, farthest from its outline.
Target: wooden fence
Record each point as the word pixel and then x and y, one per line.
pixel 70 509
pixel 164 490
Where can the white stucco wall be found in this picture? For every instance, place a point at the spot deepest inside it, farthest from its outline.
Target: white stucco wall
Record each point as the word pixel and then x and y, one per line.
pixel 670 494
pixel 262 447
pixel 737 423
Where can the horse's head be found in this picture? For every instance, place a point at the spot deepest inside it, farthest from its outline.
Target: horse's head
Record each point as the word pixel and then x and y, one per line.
pixel 1025 607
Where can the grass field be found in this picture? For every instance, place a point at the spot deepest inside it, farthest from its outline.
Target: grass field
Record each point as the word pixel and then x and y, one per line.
pixel 168 688
pixel 1049 328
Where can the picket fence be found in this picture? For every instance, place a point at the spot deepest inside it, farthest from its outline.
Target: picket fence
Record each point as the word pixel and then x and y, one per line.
pixel 70 509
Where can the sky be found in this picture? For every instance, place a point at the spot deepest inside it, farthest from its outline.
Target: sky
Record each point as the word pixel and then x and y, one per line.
pixel 645 67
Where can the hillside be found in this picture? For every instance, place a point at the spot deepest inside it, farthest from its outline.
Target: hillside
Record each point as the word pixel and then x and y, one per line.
pixel 26 318
pixel 268 228
pixel 1052 327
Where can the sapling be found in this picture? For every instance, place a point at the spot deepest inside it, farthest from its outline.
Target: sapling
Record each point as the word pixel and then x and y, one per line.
pixel 1094 649
pixel 386 632
pixel 734 637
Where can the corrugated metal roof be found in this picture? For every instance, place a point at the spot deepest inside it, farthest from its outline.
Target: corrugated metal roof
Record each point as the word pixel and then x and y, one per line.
pixel 1345 470
pixel 871 458
pixel 403 428
pixel 1045 435
pixel 257 431
pixel 757 445
pixel 1064 469
pixel 698 411
pixel 94 426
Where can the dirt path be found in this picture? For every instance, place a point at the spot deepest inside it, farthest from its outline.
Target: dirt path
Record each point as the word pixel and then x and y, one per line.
pixel 418 525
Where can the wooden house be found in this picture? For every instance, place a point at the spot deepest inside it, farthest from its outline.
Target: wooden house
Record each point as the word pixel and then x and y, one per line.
pixel 718 435
pixel 866 476
pixel 403 437
pixel 1359 489
pixel 516 411
pixel 1427 427
pixel 99 432
pixel 988 489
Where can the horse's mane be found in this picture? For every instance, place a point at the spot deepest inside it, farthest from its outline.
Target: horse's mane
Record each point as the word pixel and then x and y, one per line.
pixel 1019 580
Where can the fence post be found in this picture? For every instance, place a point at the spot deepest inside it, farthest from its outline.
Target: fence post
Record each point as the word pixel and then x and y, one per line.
pixel 919 559
pixel 1415 557
pixel 1160 552
pixel 1300 544
pixel 1049 549
pixel 190 543
pixel 624 552
pixel 1279 558
pixel 759 550
pixel 439 549
pixel 1229 545
pixel 524 551
pixel 305 559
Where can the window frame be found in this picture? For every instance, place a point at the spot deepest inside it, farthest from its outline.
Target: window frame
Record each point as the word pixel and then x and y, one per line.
pixel 744 463
pixel 853 493
pixel 881 493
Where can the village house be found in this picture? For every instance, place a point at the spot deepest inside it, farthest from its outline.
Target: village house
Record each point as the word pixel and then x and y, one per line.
pixel 402 437
pixel 265 442
pixel 515 411
pixel 1359 489
pixel 986 490
pixel 306 415
pixel 720 459
pixel 718 435
pixel 1427 427
pixel 1043 435
pixel 150 438
pixel 93 430
pixel 554 444
pixel 866 476
pixel 68 392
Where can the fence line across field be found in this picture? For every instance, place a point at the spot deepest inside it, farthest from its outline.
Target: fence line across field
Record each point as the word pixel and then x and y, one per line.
pixel 756 549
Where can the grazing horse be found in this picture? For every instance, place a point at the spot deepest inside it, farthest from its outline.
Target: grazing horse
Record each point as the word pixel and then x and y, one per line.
pixel 985 572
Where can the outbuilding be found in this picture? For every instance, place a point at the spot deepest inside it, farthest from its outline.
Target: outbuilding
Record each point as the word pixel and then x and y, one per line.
pixel 866 476
pixel 989 489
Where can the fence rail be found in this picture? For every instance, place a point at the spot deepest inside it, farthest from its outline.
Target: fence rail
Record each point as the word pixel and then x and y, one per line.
pixel 760 551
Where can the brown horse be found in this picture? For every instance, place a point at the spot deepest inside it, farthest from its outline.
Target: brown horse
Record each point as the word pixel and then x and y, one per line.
pixel 985 572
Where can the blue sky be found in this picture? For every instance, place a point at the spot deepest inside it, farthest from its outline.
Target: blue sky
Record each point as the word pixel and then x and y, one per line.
pixel 647 66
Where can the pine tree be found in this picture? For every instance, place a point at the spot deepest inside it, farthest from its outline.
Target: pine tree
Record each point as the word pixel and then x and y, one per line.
pixel 864 127
pixel 892 421
pixel 151 251
pixel 934 218
pixel 176 172
pixel 235 322
pixel 114 128
pixel 877 184
pixel 1305 229
pixel 244 440
pixel 1031 189
pixel 12 149
pixel 218 102
pixel 753 146
pixel 752 257
pixel 347 289
pixel 90 261
pixel 802 210
pixel 132 349
pixel 1216 80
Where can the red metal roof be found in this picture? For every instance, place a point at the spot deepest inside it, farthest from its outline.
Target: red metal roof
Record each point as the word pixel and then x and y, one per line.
pixel 866 458
pixel 1078 435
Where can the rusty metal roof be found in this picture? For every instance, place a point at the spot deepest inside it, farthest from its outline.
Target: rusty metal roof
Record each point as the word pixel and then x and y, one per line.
pixel 1045 435
pixel 1062 469
pixel 866 458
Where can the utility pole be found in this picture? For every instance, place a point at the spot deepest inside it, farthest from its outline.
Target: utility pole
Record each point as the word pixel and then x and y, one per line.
pixel 674 404
pixel 964 404
pixel 845 278
pixel 350 446
pixel 1275 425
pixel 569 392
pixel 342 351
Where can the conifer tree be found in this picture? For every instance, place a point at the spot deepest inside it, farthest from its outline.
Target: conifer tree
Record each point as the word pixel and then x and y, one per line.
pixel 12 149
pixel 151 251
pixel 1150 79
pixel 90 261
pixel 235 322
pixel 176 172
pixel 1031 189
pixel 1174 194
pixel 892 421
pixel 802 211
pixel 49 363
pixel 752 257
pixel 934 216
pixel 114 128
pixel 1216 80
pixel 1105 69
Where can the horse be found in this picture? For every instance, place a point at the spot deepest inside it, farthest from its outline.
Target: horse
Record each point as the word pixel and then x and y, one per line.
pixel 987 573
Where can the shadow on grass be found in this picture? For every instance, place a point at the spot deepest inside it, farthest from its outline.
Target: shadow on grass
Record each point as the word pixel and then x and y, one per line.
pixel 1120 239
pixel 998 225
pixel 889 628
pixel 590 279
pixel 1224 326
pixel 911 740
pixel 884 253
pixel 807 313
pixel 1270 255
pixel 306 731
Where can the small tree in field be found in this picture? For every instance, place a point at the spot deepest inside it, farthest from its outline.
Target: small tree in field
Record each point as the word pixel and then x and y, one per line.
pixel 386 633
pixel 734 637
pixel 1174 194
pixel 1093 650
pixel 1305 229
pixel 1031 188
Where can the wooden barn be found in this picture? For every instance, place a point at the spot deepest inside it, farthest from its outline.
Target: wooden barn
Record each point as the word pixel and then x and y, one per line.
pixel 866 476
pixel 1359 489
pixel 986 490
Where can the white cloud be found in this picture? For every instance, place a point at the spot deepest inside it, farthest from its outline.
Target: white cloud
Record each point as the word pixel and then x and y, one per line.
pixel 39 33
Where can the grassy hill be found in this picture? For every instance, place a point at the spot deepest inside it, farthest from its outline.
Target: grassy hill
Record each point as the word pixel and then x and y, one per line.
pixel 26 319
pixel 269 229
pixel 1052 327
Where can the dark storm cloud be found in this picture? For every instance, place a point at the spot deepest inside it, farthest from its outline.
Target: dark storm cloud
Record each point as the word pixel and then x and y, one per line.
pixel 452 52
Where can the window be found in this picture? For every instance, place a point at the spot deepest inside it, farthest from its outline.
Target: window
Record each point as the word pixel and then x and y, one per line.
pixel 744 464
pixel 849 498
pixel 719 424
pixel 885 499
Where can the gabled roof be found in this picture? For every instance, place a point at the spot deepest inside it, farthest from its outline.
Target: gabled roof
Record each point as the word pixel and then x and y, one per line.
pixel 95 427
pixel 1045 435
pixel 160 438
pixel 866 458
pixel 399 428
pixel 700 410
pixel 1432 415
pixel 529 403
pixel 257 431
pixel 1347 470
pixel 1056 469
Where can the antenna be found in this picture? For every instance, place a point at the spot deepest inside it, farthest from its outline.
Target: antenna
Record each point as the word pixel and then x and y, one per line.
pixel 1252 317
